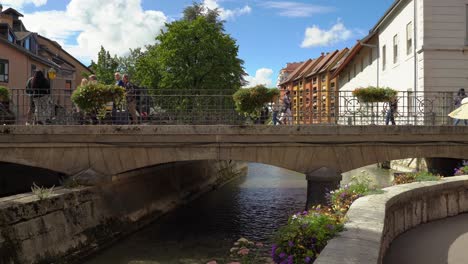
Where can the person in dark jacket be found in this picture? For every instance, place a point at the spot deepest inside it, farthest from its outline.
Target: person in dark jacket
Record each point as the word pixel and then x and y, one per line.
pixel 392 108
pixel 39 88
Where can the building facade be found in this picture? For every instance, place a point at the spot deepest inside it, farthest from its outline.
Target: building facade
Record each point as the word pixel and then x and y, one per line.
pixel 314 90
pixel 22 52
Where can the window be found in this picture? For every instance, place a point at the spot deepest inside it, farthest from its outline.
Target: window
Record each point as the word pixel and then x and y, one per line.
pixel 68 84
pixel 27 44
pixel 409 38
pixel 395 49
pixel 11 38
pixel 3 71
pixel 324 78
pixel 466 22
pixel 315 80
pixel 384 57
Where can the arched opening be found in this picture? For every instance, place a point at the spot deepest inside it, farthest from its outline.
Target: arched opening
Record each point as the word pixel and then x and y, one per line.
pixel 16 178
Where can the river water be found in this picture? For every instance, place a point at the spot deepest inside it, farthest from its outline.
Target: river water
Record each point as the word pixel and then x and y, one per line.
pixel 252 207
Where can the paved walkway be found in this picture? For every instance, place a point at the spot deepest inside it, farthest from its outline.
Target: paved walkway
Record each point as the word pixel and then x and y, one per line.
pixel 439 242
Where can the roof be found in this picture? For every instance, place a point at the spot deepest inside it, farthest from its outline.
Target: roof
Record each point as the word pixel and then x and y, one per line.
pixel 292 66
pixel 20 35
pixel 322 63
pixel 29 54
pixel 342 59
pixel 352 54
pixel 387 14
pixel 11 11
pixel 306 69
pixel 293 75
pixel 336 56
pixel 57 45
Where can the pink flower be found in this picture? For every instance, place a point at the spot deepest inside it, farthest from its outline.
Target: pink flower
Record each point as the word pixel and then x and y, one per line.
pixel 212 262
pixel 243 252
pixel 259 244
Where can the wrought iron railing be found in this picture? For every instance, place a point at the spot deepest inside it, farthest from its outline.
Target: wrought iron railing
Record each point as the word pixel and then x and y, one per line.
pixel 214 107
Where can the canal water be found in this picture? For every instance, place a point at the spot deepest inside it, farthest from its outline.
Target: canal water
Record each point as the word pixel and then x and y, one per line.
pixel 252 207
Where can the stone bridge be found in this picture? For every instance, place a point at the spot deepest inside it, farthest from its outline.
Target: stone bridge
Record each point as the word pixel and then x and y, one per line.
pixel 112 150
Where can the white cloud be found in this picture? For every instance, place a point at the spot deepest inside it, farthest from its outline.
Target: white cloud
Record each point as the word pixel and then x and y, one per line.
pixel 226 14
pixel 262 76
pixel 18 4
pixel 115 24
pixel 296 9
pixel 315 36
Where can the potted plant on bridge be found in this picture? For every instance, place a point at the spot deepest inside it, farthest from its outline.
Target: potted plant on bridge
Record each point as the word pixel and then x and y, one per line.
pixel 6 116
pixel 370 97
pixel 91 99
pixel 252 102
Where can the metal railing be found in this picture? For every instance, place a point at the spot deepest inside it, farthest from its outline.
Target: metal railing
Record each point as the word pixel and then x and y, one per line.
pixel 215 107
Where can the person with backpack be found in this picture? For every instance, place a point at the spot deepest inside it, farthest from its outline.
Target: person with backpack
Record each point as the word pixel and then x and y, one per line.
pixel 287 114
pixel 38 87
pixel 131 98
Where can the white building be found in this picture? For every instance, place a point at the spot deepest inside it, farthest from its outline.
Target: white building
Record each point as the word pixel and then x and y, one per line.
pixel 418 46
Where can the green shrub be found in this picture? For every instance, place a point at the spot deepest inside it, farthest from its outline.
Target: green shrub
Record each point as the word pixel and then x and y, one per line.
pixel 92 98
pixel 250 101
pixel 374 94
pixel 404 178
pixel 4 94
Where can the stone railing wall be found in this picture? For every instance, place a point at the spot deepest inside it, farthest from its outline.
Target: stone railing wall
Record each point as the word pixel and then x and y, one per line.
pixel 375 221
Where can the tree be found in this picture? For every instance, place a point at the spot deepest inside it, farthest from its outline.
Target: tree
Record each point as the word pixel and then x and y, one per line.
pixel 128 64
pixel 195 53
pixel 146 68
pixel 105 67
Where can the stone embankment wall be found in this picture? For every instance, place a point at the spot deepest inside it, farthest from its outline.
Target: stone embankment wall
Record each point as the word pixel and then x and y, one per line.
pixel 375 221
pixel 72 223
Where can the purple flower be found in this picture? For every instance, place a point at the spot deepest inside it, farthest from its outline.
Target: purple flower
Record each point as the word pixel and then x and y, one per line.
pixel 330 227
pixel 290 244
pixel 282 255
pixel 305 213
pixel 308 259
pixel 290 260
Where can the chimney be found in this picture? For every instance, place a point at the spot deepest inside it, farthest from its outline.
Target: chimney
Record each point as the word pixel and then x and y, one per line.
pixel 323 53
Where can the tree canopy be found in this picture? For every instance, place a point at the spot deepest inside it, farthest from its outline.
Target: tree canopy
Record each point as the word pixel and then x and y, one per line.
pixel 105 67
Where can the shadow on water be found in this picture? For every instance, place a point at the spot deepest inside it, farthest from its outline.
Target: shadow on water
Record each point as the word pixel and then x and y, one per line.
pixel 253 207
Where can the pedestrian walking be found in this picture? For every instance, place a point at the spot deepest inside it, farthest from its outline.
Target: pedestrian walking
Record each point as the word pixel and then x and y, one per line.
pixel 131 98
pixel 275 108
pixel 392 108
pixel 39 88
pixel 287 114
pixel 458 102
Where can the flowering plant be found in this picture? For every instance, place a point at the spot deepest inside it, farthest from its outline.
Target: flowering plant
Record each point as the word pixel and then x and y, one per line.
pixel 461 171
pixel 403 178
pixel 305 235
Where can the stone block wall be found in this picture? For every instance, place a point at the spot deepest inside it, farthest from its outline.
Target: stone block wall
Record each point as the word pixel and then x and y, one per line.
pixel 72 223
pixel 375 221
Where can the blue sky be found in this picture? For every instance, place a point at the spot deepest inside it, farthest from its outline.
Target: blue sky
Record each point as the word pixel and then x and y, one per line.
pixel 269 33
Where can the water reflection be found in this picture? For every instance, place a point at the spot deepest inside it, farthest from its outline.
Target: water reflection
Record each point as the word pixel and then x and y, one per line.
pixel 252 207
